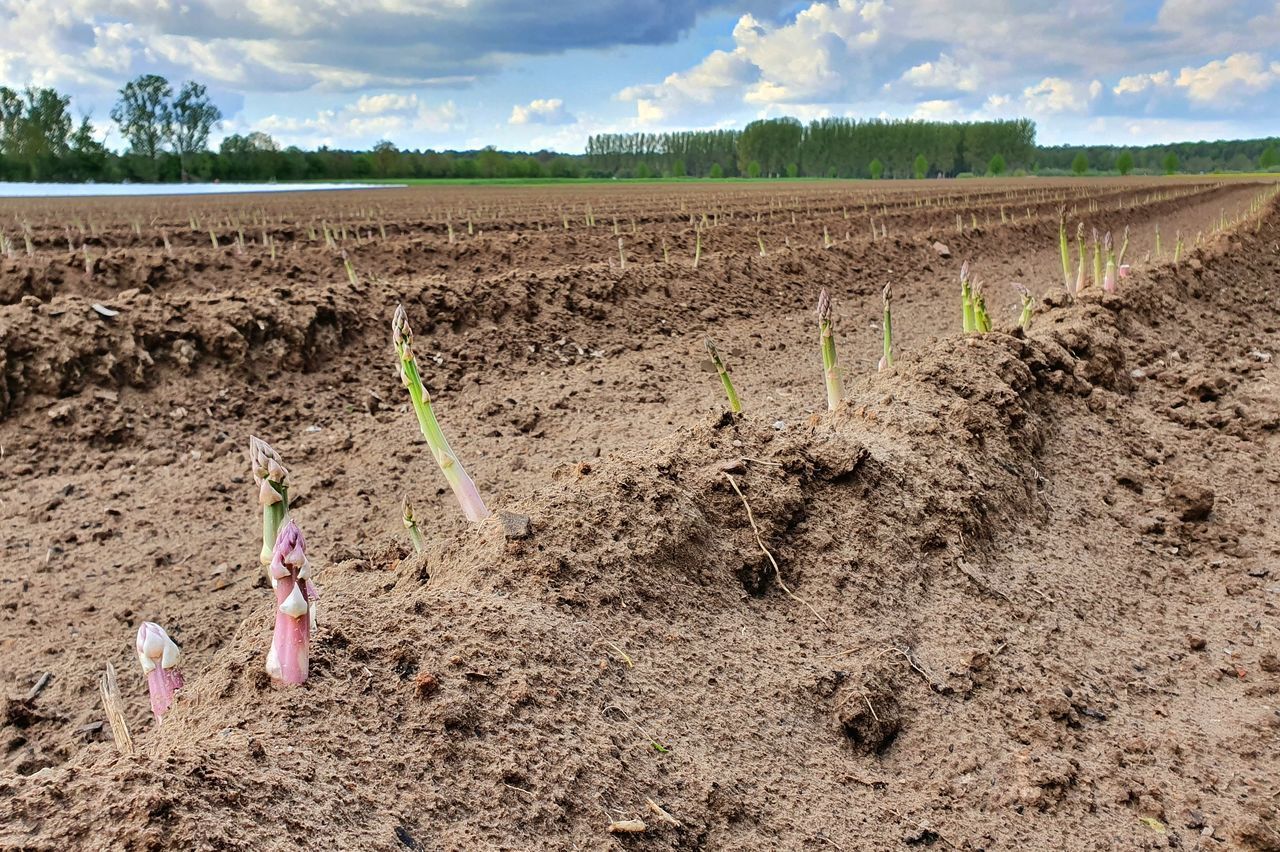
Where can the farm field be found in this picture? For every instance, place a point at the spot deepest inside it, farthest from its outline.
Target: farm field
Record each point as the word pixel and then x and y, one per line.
pixel 1026 586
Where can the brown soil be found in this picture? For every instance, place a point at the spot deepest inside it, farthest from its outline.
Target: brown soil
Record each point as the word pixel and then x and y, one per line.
pixel 1028 583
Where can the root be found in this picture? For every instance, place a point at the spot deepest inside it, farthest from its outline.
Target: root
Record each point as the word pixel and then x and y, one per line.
pixel 777 572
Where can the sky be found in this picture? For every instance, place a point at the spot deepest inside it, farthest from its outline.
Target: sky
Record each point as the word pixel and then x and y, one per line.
pixel 525 76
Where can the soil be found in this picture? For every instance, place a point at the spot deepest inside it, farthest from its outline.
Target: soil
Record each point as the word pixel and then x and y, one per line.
pixel 1026 585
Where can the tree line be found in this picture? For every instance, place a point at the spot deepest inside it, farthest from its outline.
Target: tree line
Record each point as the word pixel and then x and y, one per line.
pixel 829 147
pixel 167 132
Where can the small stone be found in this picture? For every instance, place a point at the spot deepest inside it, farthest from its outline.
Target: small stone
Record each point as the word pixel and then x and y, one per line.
pixel 709 315
pixel 1196 643
pixel 733 466
pixel 514 525
pixel 941 249
pixel 1269 663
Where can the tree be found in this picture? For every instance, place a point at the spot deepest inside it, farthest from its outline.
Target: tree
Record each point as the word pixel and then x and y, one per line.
pixel 877 169
pixel 386 158
pixel 996 165
pixel 1270 158
pixel 753 169
pixel 793 170
pixel 35 129
pixel 920 167
pixel 143 114
pixel 1080 164
pixel 716 171
pixel 190 118
pixel 1124 163
pixel 1170 163
pixel 642 171
pixel 677 169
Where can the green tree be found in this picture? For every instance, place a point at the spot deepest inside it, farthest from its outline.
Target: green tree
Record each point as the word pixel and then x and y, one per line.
pixel 386 159
pixel 793 170
pixel 1170 163
pixel 996 165
pixel 877 169
pixel 1080 164
pixel 144 117
pixel 88 156
pixel 190 119
pixel 920 167
pixel 35 130
pixel 1270 158
pixel 753 169
pixel 642 171
pixel 678 169
pixel 716 171
pixel 1124 163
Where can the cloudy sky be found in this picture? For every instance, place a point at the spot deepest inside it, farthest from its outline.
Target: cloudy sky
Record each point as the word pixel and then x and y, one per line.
pixel 466 73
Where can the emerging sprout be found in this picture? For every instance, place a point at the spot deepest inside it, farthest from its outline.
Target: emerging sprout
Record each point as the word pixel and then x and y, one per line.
pixel 735 405
pixel 1109 277
pixel 1064 248
pixel 886 360
pixel 830 366
pixel 411 524
pixel 464 489
pixel 1080 252
pixel 288 661
pixel 159 657
pixel 272 479
pixel 967 317
pixel 1024 319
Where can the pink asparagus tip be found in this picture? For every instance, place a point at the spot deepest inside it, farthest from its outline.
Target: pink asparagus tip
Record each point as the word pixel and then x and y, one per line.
pixel 289 658
pixel 1124 270
pixel 159 656
pixel 883 365
pixel 1109 279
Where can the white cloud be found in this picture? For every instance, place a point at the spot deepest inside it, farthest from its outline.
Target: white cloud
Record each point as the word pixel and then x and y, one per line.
pixel 1056 94
pixel 1139 83
pixel 541 111
pixel 1228 81
pixel 943 73
pixel 403 119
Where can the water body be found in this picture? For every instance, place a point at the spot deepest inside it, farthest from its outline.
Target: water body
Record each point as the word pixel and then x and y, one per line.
pixel 131 190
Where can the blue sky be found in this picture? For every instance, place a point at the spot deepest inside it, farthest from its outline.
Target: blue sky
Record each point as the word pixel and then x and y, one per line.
pixel 466 73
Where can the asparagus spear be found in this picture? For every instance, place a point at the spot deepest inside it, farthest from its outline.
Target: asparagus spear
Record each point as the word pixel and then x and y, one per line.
pixel 288 661
pixel 411 524
pixel 735 405
pixel 272 479
pixel 886 360
pixel 1064 248
pixel 967 318
pixel 830 366
pixel 159 657
pixel 464 489
pixel 1024 319
pixel 1109 277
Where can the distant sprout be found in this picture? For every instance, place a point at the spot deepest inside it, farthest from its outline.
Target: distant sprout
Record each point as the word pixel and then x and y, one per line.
pixel 697 247
pixel 760 240
pixel 622 255
pixel 1158 241
pixel 735 405
pixel 351 270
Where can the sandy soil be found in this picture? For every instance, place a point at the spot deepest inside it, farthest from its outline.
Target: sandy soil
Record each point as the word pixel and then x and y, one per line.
pixel 1028 582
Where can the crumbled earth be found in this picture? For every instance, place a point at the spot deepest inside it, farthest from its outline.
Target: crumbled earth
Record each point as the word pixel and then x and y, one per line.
pixel 1019 591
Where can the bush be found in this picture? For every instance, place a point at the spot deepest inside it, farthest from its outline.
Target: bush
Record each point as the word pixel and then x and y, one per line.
pixel 1080 164
pixel 920 167
pixel 996 166
pixel 1124 163
pixel 877 169
pixel 716 171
